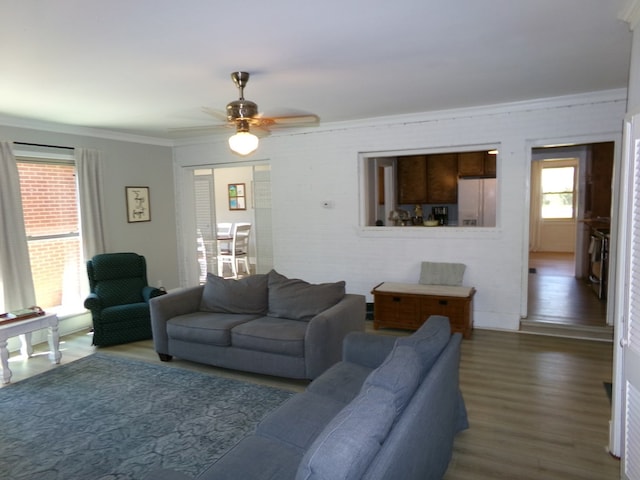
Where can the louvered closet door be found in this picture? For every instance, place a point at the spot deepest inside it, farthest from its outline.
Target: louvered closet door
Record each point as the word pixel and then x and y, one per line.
pixel 631 332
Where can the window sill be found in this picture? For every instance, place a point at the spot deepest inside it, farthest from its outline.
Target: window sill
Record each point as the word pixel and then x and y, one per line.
pixel 444 231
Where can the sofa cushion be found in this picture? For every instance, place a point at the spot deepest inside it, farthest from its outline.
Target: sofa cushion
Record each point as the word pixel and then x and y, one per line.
pixel 342 382
pixel 269 334
pixel 246 295
pixel 348 444
pixel 300 300
pixel 205 327
pixel 120 291
pixel 299 420
pixel 400 374
pixel 429 340
pixel 255 457
pixel 124 313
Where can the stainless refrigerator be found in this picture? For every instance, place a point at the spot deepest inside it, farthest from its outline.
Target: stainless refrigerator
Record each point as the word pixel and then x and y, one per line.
pixel 477 202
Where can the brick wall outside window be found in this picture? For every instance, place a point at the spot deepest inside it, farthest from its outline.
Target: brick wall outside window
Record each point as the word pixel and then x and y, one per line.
pixel 50 204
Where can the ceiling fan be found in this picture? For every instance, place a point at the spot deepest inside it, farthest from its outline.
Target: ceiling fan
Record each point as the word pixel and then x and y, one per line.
pixel 243 114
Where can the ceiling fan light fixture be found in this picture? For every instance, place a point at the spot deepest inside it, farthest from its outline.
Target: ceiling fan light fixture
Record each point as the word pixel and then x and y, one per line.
pixel 243 143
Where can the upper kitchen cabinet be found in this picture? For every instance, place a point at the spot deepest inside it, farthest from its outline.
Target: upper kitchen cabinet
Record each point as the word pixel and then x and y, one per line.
pixel 442 178
pixel 599 174
pixel 412 179
pixel 428 179
pixel 476 164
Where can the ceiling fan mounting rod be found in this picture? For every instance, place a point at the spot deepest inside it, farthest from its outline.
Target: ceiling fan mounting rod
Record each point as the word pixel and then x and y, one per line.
pixel 240 79
pixel 241 109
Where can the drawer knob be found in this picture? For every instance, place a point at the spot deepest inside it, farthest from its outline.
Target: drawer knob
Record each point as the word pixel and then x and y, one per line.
pixel 396 299
pixel 443 302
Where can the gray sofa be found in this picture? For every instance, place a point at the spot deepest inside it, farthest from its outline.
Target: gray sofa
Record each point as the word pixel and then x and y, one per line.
pixel 264 323
pixel 389 410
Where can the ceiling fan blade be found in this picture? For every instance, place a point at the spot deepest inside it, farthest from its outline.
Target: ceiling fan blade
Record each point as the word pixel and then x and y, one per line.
pixel 260 131
pixel 217 114
pixel 290 118
pixel 306 120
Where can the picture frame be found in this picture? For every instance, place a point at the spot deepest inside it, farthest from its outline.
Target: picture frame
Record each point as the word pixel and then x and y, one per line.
pixel 138 204
pixel 237 196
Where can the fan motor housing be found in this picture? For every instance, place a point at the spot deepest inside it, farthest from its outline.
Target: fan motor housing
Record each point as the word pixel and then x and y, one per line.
pixel 241 109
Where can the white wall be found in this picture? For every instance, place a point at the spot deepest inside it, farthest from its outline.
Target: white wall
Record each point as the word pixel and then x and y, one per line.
pixel 320 244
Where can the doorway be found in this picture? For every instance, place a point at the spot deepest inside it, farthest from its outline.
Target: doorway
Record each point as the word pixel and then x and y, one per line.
pixel 232 195
pixel 560 284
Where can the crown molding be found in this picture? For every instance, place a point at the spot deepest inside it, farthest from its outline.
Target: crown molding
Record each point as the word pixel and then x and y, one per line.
pixel 603 96
pixel 591 98
pixel 630 13
pixel 19 122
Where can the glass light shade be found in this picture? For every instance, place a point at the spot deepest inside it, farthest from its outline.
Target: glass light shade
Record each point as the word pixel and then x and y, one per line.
pixel 243 143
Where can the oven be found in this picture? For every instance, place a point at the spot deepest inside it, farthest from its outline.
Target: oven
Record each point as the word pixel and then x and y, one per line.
pixel 598 261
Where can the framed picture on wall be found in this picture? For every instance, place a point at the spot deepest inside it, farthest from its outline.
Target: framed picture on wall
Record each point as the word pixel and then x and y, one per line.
pixel 138 204
pixel 237 197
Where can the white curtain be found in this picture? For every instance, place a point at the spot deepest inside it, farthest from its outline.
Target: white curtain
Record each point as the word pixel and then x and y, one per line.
pixel 91 198
pixel 535 209
pixel 16 283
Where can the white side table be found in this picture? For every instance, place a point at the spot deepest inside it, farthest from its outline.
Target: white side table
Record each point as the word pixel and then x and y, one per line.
pixel 24 328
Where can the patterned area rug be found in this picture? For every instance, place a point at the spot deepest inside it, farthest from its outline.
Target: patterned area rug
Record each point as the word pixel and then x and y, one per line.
pixel 107 418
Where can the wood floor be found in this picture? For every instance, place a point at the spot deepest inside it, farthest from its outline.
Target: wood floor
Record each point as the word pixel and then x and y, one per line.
pixel 555 295
pixel 537 405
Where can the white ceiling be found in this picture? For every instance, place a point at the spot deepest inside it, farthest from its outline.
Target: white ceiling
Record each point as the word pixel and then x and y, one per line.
pixel 149 66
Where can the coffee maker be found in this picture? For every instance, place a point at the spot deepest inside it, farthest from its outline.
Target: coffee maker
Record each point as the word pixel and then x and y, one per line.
pixel 441 214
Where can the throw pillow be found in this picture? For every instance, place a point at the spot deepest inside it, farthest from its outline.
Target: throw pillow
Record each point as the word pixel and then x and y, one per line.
pixel 349 443
pixel 434 273
pixel 299 300
pixel 246 295
pixel 400 374
pixel 429 340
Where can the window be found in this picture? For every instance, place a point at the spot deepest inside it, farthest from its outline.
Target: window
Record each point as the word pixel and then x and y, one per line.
pixel 50 204
pixel 558 199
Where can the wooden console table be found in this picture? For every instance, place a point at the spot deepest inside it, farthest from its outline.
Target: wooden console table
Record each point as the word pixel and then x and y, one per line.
pixel 408 306
pixel 24 328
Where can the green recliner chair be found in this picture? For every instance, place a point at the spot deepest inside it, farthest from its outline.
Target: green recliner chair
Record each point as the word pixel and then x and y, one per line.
pixel 119 299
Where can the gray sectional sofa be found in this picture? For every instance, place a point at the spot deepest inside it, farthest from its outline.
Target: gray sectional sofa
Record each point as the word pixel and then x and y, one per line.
pixel 389 410
pixel 264 323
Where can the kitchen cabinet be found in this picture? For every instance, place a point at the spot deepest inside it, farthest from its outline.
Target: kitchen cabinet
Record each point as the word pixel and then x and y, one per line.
pixel 598 180
pixel 428 179
pixel 476 164
pixel 412 179
pixel 442 178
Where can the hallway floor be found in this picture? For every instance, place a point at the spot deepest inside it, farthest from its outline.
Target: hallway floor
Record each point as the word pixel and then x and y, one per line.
pixel 555 295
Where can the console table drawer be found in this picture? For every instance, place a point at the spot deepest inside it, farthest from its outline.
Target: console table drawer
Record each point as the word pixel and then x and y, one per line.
pixel 399 311
pixel 449 307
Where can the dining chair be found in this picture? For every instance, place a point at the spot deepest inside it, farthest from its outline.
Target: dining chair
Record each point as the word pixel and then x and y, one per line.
pixel 224 229
pixel 238 251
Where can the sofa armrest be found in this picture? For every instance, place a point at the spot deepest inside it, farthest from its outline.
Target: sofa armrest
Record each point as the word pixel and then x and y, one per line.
pixel 165 307
pixel 367 349
pixel 326 332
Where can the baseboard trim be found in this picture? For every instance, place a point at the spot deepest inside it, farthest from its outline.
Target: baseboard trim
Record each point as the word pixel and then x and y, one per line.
pixel 556 329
